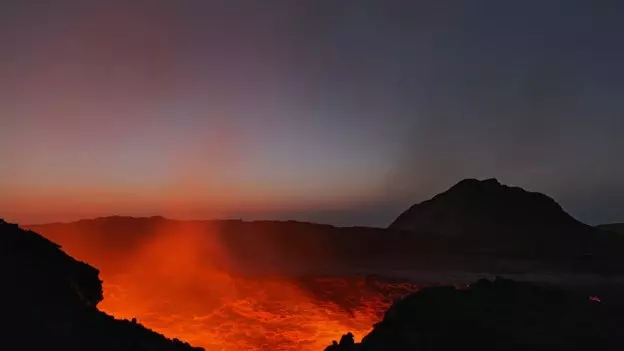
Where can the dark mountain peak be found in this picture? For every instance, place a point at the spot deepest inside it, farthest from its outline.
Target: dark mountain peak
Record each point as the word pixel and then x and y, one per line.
pixel 471 183
pixel 491 187
pixel 486 207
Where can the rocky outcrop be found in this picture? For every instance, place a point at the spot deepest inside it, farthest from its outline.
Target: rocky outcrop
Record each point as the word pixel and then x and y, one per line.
pixel 50 301
pixel 493 315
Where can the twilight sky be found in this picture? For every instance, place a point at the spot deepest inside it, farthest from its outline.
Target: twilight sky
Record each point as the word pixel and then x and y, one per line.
pixel 343 112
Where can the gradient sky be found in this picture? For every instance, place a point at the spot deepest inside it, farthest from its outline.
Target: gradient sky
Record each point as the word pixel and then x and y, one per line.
pixel 343 112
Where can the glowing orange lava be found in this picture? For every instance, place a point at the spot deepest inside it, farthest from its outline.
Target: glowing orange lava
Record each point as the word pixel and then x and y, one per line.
pixel 256 314
pixel 173 285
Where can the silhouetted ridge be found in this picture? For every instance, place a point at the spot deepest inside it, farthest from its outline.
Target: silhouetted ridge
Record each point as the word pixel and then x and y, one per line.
pixel 487 207
pixel 475 226
pixel 49 301
pixel 492 315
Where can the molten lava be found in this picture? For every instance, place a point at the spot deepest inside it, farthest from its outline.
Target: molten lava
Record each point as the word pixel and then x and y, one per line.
pixel 176 281
pixel 257 314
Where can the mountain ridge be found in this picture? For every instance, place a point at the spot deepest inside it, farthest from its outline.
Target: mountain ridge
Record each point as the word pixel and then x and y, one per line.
pixel 483 224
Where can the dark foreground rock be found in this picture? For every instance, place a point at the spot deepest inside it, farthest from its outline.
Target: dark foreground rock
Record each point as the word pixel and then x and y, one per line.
pixel 617 228
pixel 493 315
pixel 49 302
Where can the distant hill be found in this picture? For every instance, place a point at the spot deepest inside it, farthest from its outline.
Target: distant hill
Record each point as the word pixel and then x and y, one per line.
pixel 613 227
pixel 489 208
pixel 49 302
pixel 486 215
pixel 473 226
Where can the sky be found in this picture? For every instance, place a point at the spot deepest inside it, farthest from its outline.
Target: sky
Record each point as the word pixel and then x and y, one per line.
pixel 343 112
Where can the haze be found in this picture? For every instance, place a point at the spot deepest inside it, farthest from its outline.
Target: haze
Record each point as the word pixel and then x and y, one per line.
pixel 342 112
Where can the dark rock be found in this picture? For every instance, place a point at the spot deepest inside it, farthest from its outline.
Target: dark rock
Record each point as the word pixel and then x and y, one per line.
pixel 617 228
pixel 488 207
pixel 494 315
pixel 347 341
pixel 50 301
pixel 487 217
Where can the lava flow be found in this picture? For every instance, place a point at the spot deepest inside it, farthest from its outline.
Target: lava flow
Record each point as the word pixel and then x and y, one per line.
pixel 171 284
pixel 257 314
